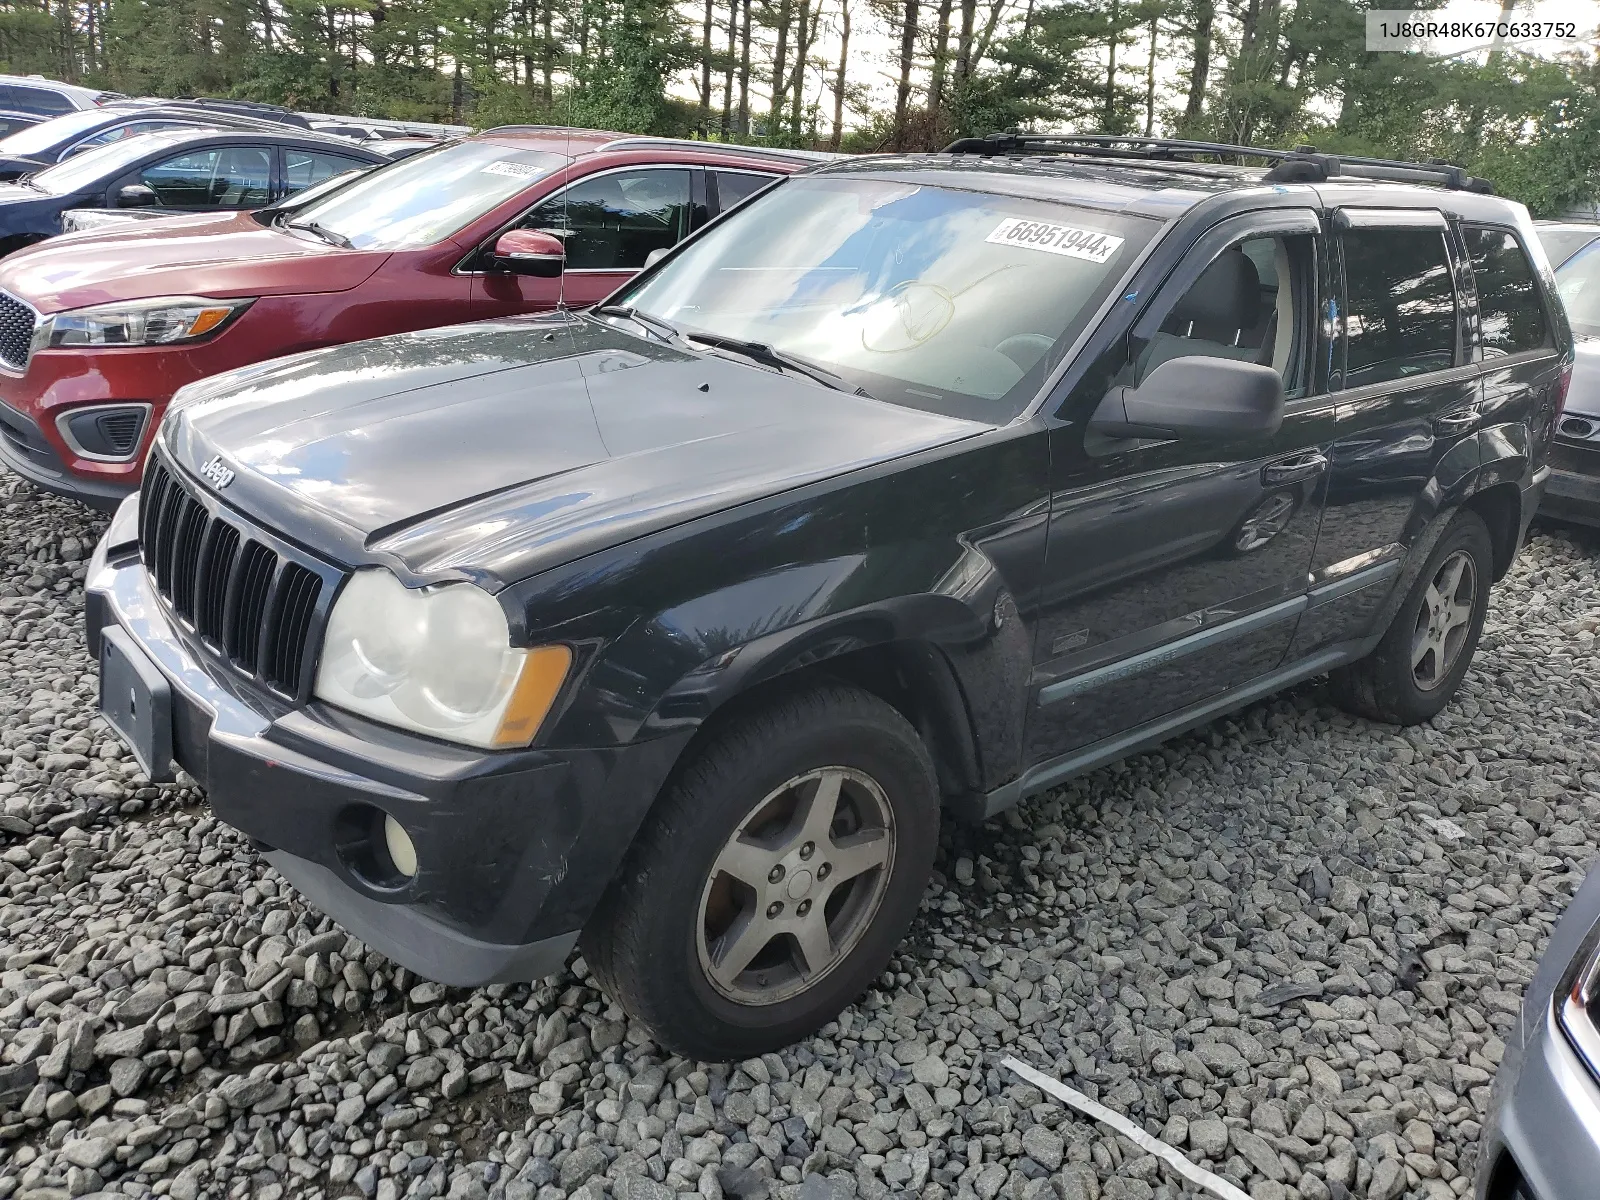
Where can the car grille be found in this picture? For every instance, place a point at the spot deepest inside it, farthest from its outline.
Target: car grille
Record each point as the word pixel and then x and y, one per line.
pixel 16 331
pixel 250 598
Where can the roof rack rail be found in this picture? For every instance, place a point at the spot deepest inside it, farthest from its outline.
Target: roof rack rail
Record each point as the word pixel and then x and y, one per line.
pixel 1303 164
pixel 736 148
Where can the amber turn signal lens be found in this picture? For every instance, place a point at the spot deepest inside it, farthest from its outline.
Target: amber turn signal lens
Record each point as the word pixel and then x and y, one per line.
pixel 543 672
pixel 208 319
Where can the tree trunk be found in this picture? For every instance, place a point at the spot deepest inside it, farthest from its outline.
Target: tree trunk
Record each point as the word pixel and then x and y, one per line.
pixel 839 76
pixel 705 72
pixel 744 71
pixel 941 54
pixel 1205 17
pixel 804 36
pixel 908 55
pixel 969 17
pixel 780 58
pixel 548 54
pixel 727 67
pixel 1108 114
pixel 1150 83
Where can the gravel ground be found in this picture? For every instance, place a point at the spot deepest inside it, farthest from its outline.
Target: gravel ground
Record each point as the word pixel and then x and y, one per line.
pixel 1290 945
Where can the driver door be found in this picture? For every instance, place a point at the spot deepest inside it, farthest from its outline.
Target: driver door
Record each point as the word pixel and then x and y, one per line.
pixel 609 223
pixel 1175 570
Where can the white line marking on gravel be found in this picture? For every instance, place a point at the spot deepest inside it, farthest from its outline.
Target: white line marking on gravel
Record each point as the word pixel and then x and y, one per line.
pixel 1198 1176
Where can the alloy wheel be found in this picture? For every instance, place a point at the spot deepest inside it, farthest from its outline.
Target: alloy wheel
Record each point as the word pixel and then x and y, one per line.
pixel 1444 620
pixel 796 886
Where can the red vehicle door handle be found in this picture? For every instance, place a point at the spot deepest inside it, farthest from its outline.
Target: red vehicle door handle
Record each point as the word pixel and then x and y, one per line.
pixel 1293 470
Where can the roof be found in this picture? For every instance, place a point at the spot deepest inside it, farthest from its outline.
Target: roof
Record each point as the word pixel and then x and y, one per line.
pixel 574 143
pixel 1095 175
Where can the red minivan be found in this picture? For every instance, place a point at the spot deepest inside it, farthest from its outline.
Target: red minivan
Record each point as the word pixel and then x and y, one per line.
pixel 98 329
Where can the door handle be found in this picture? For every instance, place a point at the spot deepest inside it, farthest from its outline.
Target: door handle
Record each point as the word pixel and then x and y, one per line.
pixel 1456 421
pixel 1293 470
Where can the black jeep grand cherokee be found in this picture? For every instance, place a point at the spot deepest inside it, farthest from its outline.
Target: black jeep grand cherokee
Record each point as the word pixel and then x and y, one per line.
pixel 918 482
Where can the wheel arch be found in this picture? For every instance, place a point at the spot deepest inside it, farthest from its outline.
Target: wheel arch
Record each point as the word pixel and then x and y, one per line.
pixel 882 653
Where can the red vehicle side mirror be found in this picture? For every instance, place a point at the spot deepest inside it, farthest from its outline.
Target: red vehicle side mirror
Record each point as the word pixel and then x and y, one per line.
pixel 529 252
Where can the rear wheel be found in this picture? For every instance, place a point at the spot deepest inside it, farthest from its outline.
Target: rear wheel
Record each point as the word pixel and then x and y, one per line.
pixel 1423 657
pixel 775 879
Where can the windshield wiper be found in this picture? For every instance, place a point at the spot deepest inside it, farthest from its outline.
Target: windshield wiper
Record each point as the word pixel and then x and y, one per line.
pixel 657 325
pixel 770 356
pixel 323 232
pixel 26 180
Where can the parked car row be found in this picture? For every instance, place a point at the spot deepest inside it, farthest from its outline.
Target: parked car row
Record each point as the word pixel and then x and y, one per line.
pixel 99 329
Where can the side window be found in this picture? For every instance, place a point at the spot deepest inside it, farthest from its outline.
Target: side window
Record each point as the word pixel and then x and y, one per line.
pixel 611 222
pixel 1400 304
pixel 223 177
pixel 1511 313
pixel 302 168
pixel 1250 303
pixel 39 100
pixel 733 187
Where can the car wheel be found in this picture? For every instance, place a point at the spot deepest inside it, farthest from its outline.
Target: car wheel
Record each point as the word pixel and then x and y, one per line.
pixel 1428 647
pixel 774 879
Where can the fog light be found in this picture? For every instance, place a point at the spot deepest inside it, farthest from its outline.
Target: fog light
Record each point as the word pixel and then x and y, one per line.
pixel 401 851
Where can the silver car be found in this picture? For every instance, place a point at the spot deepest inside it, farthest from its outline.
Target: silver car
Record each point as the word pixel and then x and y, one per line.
pixel 1542 1139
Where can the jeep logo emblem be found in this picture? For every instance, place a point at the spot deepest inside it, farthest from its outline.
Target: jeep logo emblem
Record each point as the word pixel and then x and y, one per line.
pixel 218 475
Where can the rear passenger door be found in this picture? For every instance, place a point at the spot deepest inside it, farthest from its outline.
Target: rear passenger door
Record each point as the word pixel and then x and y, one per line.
pixel 1521 370
pixel 1407 397
pixel 1175 570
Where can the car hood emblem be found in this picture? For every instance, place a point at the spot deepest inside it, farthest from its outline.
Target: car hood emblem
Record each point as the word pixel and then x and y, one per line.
pixel 216 473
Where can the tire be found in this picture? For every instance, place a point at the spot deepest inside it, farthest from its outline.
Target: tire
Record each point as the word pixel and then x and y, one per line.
pixel 668 939
pixel 1391 684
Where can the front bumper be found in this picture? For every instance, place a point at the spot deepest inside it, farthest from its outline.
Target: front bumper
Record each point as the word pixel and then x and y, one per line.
pixel 515 848
pixel 26 451
pixel 1542 1138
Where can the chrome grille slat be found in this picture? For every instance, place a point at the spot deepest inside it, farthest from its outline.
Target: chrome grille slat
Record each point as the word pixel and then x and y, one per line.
pixel 248 600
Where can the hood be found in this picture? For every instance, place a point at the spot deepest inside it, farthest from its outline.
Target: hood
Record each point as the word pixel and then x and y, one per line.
pixel 227 255
pixel 1583 394
pixel 497 450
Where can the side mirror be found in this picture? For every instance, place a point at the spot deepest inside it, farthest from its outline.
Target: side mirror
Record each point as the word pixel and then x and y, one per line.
pixel 1207 399
pixel 654 256
pixel 136 195
pixel 529 252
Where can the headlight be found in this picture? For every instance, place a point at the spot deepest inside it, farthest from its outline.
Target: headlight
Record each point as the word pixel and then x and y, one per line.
pixel 159 322
pixel 436 660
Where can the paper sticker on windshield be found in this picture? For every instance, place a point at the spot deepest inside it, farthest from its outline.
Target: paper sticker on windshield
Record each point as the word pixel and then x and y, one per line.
pixel 516 170
pixel 1055 239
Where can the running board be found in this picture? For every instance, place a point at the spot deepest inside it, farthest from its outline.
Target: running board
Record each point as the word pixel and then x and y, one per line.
pixel 978 806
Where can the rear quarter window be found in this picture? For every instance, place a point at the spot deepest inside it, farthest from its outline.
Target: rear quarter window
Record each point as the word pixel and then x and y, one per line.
pixel 1511 310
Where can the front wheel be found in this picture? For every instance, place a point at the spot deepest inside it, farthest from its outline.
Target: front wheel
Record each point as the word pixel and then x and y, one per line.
pixel 773 882
pixel 1421 660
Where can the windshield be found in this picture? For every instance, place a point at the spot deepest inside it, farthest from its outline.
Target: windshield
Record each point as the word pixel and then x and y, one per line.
pixel 1561 244
pixel 93 168
pixel 951 301
pixel 48 134
pixel 427 197
pixel 1578 280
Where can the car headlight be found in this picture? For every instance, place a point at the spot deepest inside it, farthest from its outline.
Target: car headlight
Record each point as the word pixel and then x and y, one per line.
pixel 159 322
pixel 436 660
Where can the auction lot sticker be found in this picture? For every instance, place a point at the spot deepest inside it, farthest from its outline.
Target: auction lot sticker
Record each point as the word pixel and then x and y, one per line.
pixel 1055 239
